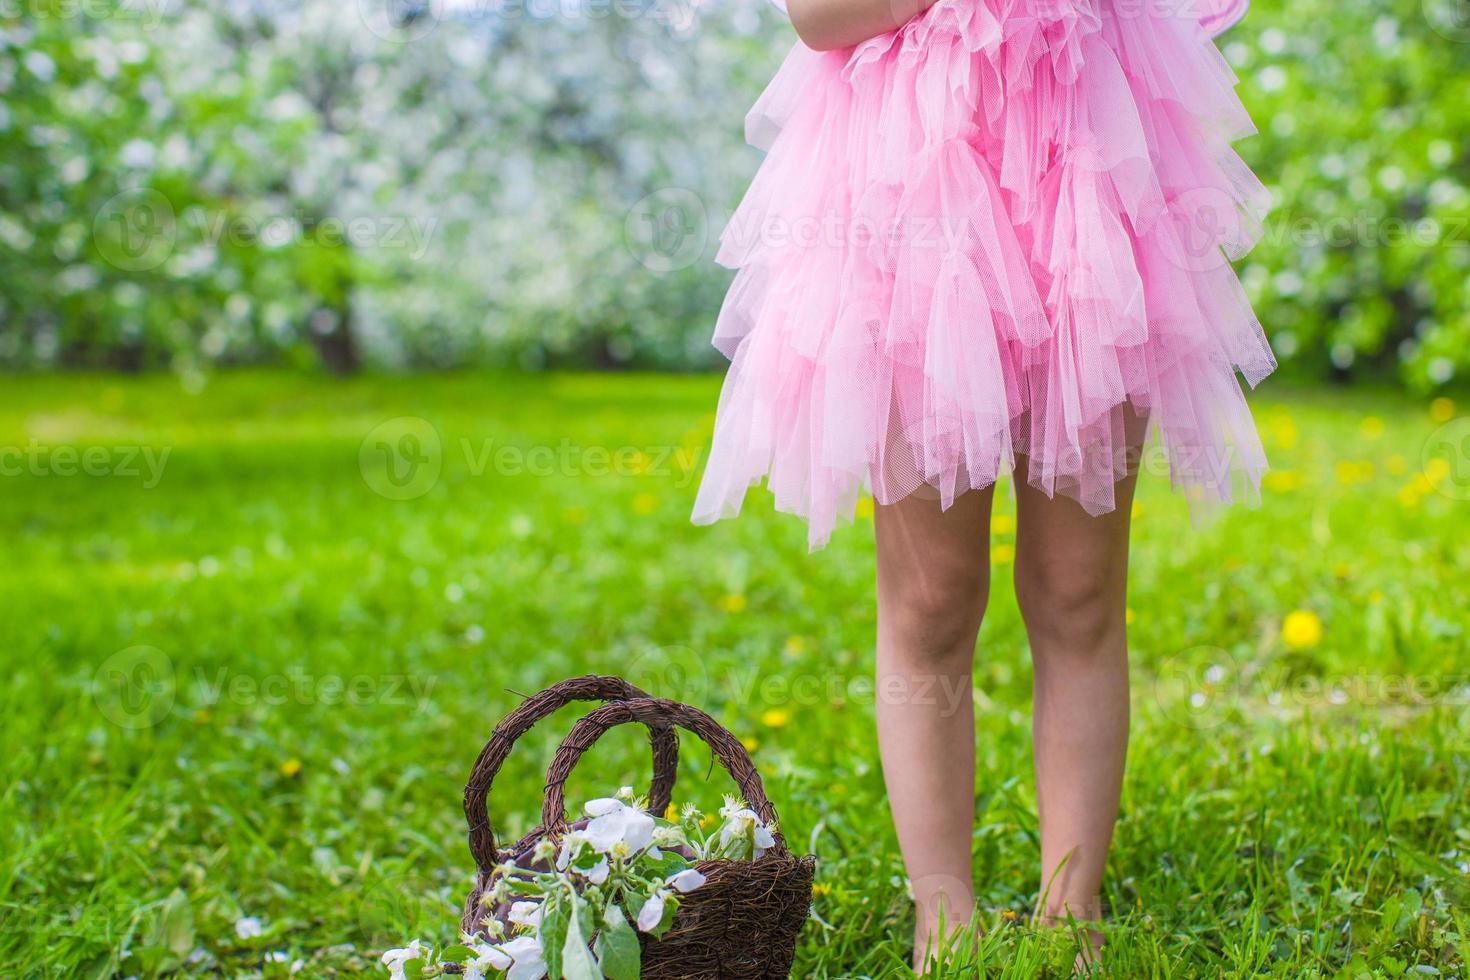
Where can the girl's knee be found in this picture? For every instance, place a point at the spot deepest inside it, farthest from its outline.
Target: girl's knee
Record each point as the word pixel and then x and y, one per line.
pixel 1070 608
pixel 934 616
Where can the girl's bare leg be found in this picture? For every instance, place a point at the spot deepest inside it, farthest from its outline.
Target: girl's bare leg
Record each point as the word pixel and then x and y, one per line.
pixel 933 579
pixel 1071 584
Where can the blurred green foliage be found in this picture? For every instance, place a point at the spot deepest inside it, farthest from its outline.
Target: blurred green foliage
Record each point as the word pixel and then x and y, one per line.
pixel 185 184
pixel 1363 110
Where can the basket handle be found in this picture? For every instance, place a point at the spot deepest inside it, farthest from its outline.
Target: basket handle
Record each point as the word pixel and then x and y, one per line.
pixel 654 712
pixel 592 687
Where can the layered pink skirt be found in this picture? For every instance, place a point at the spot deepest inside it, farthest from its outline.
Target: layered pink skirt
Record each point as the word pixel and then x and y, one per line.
pixel 998 231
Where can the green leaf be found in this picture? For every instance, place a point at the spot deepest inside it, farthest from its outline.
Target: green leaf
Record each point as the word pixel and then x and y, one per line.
pixel 618 952
pixel 632 901
pixel 456 954
pixel 576 957
pixel 521 886
pixel 670 863
pixel 553 933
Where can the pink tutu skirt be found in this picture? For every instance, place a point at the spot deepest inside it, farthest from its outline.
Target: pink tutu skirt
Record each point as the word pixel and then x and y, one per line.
pixel 1000 230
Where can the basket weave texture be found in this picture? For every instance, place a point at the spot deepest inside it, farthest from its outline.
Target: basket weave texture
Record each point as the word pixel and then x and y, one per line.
pixel 743 922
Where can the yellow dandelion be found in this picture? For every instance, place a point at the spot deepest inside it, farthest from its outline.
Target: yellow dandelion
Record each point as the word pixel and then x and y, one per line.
pixel 820 889
pixel 1350 472
pixel 671 814
pixel 1129 616
pixel 1342 570
pixel 750 743
pixel 732 603
pixel 1441 410
pixel 794 644
pixel 1371 427
pixel 291 768
pixel 1003 524
pixel 706 821
pixel 1282 481
pixel 1136 509
pixel 1375 597
pixel 1437 470
pixel 1002 554
pixel 1409 497
pixel 1284 432
pixel 864 509
pixel 1301 630
pixel 1396 464
pixel 644 503
pixel 775 718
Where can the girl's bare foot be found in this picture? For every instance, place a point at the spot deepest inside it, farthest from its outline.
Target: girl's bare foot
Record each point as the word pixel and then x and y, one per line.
pixel 931 938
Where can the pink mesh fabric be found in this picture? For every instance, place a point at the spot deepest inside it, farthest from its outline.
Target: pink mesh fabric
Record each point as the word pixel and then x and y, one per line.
pixel 1000 230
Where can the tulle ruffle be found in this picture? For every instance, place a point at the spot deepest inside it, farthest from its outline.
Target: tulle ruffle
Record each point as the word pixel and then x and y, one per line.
pixel 1001 230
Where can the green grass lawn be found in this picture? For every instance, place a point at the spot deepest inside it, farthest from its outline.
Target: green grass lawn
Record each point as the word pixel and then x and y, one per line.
pixel 313 666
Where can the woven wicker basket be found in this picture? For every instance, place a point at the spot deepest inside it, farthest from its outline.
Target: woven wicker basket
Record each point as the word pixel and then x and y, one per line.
pixel 742 923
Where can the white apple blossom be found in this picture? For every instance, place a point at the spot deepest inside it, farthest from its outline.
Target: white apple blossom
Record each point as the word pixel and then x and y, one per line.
pixel 652 912
pixel 733 808
pixel 571 843
pixel 526 914
pixel 487 959
pixel 395 959
pixel 741 820
pixel 685 881
pixel 527 960
pixel 597 874
pixel 613 821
